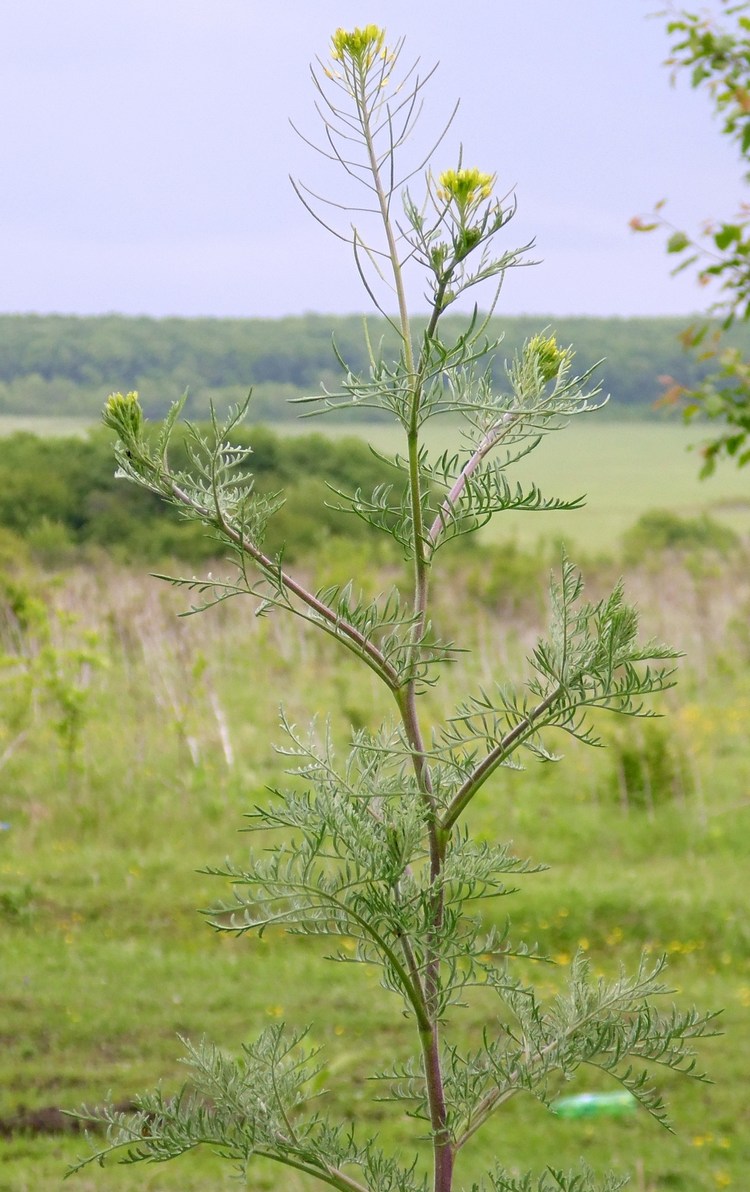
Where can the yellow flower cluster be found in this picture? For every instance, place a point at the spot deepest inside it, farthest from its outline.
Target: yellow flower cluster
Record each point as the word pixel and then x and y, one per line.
pixel 465 188
pixel 722 1142
pixel 549 357
pixel 360 45
pixel 123 413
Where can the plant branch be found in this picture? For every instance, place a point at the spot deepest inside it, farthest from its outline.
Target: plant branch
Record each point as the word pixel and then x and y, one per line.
pixel 338 626
pixel 494 758
pixel 445 513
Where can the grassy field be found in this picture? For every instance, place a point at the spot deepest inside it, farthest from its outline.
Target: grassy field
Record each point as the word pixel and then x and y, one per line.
pixel 623 469
pixel 132 770
pixel 11 424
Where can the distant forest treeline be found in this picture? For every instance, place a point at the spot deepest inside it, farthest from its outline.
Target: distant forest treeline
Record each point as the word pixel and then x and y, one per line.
pixel 64 365
pixel 60 498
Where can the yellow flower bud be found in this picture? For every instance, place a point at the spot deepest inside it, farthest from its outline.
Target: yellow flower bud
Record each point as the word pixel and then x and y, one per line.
pixel 549 358
pixel 123 414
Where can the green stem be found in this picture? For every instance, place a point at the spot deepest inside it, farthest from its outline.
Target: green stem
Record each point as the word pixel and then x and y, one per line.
pixel 326 1175
pixel 437 308
pixel 429 1035
pixel 442 1144
pixel 494 758
pixel 383 203
pixel 412 989
pixel 420 561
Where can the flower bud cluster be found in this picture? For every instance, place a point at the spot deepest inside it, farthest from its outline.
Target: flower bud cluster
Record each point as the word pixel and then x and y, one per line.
pixel 548 357
pixel 465 189
pixel 123 414
pixel 361 46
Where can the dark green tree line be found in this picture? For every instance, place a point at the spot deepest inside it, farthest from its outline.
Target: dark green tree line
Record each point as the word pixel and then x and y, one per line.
pixel 61 495
pixel 59 365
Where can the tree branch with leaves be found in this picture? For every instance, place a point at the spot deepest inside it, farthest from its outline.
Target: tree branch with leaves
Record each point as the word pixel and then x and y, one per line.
pixel 713 48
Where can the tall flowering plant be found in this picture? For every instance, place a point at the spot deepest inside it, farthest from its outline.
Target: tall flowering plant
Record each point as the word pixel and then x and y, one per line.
pixel 373 851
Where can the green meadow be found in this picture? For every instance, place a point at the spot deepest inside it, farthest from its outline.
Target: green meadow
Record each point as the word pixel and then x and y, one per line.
pixel 58 428
pixel 622 468
pixel 133 742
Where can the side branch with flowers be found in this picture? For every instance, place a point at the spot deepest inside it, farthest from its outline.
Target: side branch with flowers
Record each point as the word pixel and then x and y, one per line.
pixel 375 851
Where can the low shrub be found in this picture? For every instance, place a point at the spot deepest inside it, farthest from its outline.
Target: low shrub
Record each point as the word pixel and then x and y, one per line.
pixel 660 530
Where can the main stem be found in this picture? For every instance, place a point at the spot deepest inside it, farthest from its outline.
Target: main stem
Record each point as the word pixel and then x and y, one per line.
pixel 429 1036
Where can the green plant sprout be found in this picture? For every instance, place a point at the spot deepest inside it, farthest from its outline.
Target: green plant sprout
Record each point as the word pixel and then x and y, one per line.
pixel 373 849
pixel 38 672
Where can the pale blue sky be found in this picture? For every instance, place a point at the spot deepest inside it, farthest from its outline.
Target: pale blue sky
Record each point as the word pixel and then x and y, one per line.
pixel 145 148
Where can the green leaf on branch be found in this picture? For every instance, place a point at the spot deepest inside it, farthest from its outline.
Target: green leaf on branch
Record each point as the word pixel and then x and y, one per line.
pixel 554 1180
pixel 678 242
pixel 726 235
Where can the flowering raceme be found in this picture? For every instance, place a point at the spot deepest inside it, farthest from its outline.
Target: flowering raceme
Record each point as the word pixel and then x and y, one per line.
pixel 123 412
pixel 362 46
pixel 549 357
pixel 465 188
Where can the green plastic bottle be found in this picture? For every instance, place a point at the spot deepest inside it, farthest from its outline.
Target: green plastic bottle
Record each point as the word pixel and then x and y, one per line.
pixel 595 1105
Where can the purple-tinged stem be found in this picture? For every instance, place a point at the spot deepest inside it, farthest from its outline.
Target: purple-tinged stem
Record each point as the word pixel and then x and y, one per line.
pixel 445 512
